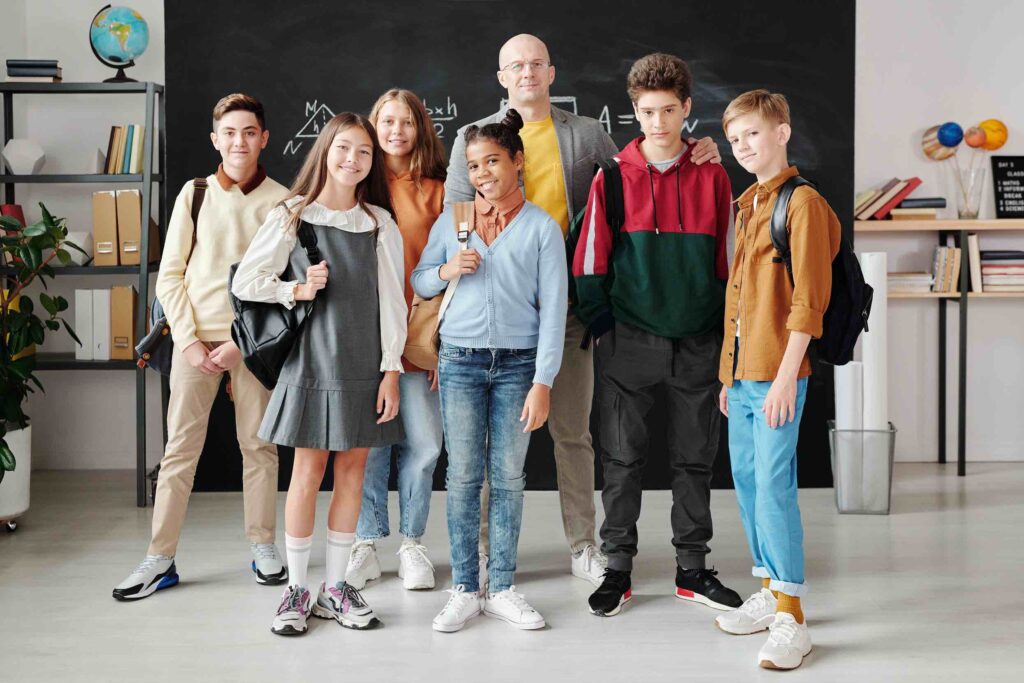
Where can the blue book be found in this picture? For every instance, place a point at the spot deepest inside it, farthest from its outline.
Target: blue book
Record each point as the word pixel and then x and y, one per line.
pixel 126 164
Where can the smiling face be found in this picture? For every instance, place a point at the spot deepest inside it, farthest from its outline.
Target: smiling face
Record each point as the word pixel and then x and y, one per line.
pixel 396 129
pixel 759 146
pixel 492 170
pixel 661 115
pixel 350 157
pixel 239 138
pixel 525 71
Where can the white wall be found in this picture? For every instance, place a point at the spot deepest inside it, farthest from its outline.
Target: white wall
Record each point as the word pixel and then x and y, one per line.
pixel 920 63
pixel 86 419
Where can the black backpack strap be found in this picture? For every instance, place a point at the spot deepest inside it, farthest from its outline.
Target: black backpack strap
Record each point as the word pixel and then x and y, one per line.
pixel 198 195
pixel 307 238
pixel 614 203
pixel 780 217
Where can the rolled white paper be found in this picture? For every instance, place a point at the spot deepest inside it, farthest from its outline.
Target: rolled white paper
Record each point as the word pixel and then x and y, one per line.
pixel 876 376
pixel 849 382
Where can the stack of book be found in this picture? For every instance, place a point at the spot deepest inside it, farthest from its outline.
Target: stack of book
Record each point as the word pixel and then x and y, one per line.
pixel 34 71
pixel 905 283
pixel 124 150
pixel 1002 271
pixel 918 209
pixel 878 204
pixel 946 269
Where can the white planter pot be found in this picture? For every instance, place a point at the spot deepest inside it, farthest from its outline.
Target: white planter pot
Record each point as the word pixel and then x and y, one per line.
pixel 14 488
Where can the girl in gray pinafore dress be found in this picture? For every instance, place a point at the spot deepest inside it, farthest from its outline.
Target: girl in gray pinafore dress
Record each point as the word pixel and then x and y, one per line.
pixel 338 389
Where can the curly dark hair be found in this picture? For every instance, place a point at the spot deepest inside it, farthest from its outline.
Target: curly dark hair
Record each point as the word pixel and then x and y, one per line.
pixel 659 71
pixel 505 133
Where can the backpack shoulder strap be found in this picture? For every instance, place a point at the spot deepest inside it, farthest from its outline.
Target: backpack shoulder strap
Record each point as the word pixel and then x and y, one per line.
pixel 198 194
pixel 463 220
pixel 307 238
pixel 780 217
pixel 614 203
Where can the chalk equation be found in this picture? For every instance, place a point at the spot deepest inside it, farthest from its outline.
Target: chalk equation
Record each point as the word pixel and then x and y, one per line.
pixel 444 112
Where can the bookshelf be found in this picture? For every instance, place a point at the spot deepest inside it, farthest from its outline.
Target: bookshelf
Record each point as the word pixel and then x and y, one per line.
pixel 958 230
pixel 153 153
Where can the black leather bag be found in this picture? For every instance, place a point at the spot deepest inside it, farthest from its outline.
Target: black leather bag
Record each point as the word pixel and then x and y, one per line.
pixel 156 348
pixel 266 332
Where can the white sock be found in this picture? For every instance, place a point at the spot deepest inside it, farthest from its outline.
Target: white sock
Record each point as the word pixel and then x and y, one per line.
pixel 339 546
pixel 297 550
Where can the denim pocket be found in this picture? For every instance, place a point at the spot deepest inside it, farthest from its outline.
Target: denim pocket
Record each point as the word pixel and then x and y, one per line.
pixel 524 354
pixel 451 352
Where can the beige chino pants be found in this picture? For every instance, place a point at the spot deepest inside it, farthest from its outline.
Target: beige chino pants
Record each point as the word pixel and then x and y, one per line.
pixel 188 415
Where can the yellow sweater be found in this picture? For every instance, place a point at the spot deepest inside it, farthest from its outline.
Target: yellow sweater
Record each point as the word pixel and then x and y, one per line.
pixel 195 299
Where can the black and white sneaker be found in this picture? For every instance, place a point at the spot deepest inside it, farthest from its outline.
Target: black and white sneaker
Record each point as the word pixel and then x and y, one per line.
pixel 614 592
pixel 270 570
pixel 154 573
pixel 703 586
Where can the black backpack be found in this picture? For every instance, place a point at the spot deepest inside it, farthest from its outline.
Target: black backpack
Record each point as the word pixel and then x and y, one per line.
pixel 850 303
pixel 615 214
pixel 266 332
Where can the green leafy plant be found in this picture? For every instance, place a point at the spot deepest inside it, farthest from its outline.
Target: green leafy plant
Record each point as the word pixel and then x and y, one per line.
pixel 23 261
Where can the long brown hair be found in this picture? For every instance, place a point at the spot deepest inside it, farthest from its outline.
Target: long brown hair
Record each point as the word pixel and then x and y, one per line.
pixel 428 152
pixel 310 181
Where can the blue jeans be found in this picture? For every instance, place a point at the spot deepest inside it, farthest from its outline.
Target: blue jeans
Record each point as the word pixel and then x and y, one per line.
pixel 764 473
pixel 482 397
pixel 420 413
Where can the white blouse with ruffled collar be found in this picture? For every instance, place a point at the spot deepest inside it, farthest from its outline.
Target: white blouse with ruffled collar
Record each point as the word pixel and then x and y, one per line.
pixel 258 275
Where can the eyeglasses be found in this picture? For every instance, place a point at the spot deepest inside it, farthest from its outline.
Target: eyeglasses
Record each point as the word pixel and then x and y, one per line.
pixel 519 67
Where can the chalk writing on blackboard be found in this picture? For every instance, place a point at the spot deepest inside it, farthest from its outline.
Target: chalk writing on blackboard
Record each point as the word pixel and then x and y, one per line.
pixel 317 117
pixel 443 114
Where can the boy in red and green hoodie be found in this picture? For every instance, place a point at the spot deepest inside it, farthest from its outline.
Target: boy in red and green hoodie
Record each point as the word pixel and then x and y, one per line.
pixel 652 295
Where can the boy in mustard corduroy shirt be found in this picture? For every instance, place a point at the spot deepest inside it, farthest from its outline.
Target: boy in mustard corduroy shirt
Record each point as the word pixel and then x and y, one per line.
pixel 771 315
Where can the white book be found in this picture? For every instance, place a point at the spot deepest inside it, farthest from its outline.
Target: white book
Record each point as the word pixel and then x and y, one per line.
pixel 974 254
pixel 83 323
pixel 101 324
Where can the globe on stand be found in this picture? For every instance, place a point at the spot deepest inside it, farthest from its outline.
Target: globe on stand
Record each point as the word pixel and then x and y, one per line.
pixel 118 36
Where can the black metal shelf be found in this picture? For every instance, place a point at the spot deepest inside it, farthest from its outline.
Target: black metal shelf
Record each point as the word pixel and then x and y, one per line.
pixel 153 190
pixel 78 88
pixel 71 178
pixel 67 361
pixel 93 270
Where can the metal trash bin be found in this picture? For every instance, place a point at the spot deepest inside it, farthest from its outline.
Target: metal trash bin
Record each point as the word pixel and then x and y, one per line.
pixel 862 461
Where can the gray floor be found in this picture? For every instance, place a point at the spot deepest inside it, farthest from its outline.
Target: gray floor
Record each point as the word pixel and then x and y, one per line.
pixel 932 592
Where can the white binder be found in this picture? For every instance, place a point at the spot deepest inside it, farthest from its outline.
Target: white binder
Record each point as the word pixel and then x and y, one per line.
pixel 83 323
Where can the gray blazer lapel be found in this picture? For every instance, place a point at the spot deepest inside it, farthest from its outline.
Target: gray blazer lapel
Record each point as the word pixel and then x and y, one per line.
pixel 565 146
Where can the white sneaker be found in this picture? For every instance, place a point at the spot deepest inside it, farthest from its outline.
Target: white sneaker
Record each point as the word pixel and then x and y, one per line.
pixel 589 564
pixel 414 567
pixel 344 604
pixel 153 573
pixel 461 607
pixel 756 614
pixel 788 643
pixel 510 606
pixel 481 577
pixel 292 613
pixel 363 565
pixel 267 564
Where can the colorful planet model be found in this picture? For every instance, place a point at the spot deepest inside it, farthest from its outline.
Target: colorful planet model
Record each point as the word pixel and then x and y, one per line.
pixel 995 133
pixel 975 137
pixel 933 149
pixel 950 134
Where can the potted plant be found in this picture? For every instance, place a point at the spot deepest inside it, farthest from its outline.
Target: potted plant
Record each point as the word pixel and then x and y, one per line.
pixel 25 256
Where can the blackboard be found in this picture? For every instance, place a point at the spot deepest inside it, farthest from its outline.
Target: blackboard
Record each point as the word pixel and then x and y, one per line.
pixel 306 60
pixel 1008 183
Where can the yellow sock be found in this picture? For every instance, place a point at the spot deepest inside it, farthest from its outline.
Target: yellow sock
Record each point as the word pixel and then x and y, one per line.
pixel 790 604
pixel 767 582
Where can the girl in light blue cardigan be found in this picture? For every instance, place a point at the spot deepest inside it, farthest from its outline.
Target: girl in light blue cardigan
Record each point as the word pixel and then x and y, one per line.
pixel 501 347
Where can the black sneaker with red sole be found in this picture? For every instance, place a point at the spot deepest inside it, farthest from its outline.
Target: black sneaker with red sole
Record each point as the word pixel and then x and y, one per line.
pixel 703 586
pixel 614 592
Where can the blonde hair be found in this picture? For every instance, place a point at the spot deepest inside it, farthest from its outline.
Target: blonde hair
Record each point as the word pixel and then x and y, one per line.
pixel 310 181
pixel 428 153
pixel 770 106
pixel 239 102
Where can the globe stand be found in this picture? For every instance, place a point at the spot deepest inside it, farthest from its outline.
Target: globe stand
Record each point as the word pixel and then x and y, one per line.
pixel 120 76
